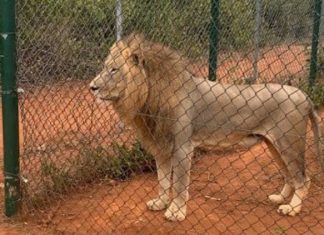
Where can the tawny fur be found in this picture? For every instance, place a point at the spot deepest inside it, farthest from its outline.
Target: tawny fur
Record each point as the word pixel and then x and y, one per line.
pixel 153 90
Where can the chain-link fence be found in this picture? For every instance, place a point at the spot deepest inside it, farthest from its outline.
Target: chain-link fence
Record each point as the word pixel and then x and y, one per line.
pixel 92 160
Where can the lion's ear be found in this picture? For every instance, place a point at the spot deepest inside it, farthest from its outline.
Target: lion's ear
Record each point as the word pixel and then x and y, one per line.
pixel 135 41
pixel 135 59
pixel 139 37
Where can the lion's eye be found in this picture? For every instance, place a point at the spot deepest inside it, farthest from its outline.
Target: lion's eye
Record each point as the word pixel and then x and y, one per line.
pixel 113 70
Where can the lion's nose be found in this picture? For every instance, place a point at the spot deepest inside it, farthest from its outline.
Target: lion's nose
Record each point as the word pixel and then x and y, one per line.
pixel 94 88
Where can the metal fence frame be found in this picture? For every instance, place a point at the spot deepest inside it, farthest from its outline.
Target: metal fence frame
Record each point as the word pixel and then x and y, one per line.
pixel 9 87
pixel 10 106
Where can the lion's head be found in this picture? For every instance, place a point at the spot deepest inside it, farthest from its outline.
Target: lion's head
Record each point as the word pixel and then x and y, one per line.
pixel 138 74
pixel 123 75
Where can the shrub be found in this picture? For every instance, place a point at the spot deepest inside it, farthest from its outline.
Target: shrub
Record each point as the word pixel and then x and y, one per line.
pixel 61 39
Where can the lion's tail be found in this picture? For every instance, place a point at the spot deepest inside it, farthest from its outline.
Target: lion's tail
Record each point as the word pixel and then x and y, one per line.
pixel 316 120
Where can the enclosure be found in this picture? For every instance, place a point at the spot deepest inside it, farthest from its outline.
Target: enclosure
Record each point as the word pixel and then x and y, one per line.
pixel 78 167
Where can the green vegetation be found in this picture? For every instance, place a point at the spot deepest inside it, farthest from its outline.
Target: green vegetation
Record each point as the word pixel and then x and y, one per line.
pixel 94 164
pixel 60 39
pixel 316 94
pixel 280 230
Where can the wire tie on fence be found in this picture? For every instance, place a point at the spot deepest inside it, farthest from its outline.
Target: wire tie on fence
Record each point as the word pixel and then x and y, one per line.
pixel 6 92
pixel 6 34
pixel 12 91
pixel 24 179
pixel 20 90
pixel 9 175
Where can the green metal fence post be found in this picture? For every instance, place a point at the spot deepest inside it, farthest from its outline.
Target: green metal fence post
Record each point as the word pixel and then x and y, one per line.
pixel 9 106
pixel 315 39
pixel 213 39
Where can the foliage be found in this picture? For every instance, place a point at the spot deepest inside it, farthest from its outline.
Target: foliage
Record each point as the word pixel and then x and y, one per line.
pixel 96 164
pixel 316 94
pixel 60 39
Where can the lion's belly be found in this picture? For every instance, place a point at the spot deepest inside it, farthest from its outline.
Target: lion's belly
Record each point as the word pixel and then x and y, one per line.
pixel 217 142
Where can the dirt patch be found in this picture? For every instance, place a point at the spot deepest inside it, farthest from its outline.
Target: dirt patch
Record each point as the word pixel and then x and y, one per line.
pixel 278 63
pixel 228 196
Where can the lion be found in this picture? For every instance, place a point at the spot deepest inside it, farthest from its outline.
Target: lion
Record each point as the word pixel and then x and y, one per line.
pixel 174 112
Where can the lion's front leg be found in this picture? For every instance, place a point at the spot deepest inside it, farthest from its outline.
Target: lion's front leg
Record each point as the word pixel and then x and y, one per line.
pixel 181 164
pixel 163 165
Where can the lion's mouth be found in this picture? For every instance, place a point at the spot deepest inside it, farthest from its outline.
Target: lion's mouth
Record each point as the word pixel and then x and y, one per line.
pixel 106 96
pixel 112 98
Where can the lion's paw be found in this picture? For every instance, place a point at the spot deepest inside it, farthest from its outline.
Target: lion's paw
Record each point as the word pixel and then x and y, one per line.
pixel 288 210
pixel 157 204
pixel 276 198
pixel 174 213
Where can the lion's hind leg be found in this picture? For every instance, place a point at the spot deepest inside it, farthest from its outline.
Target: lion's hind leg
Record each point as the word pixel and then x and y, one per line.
pixel 293 159
pixel 288 188
pixel 284 194
pixel 295 205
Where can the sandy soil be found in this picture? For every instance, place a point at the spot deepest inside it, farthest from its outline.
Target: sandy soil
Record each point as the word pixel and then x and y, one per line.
pixel 228 196
pixel 285 61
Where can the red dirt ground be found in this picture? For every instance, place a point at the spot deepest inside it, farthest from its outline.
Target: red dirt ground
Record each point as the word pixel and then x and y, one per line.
pixel 228 196
pixel 228 191
pixel 275 62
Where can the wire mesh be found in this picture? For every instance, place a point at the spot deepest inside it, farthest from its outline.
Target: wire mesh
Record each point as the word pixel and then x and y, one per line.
pixel 90 167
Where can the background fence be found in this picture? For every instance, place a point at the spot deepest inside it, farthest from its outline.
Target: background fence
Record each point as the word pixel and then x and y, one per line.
pixel 83 171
